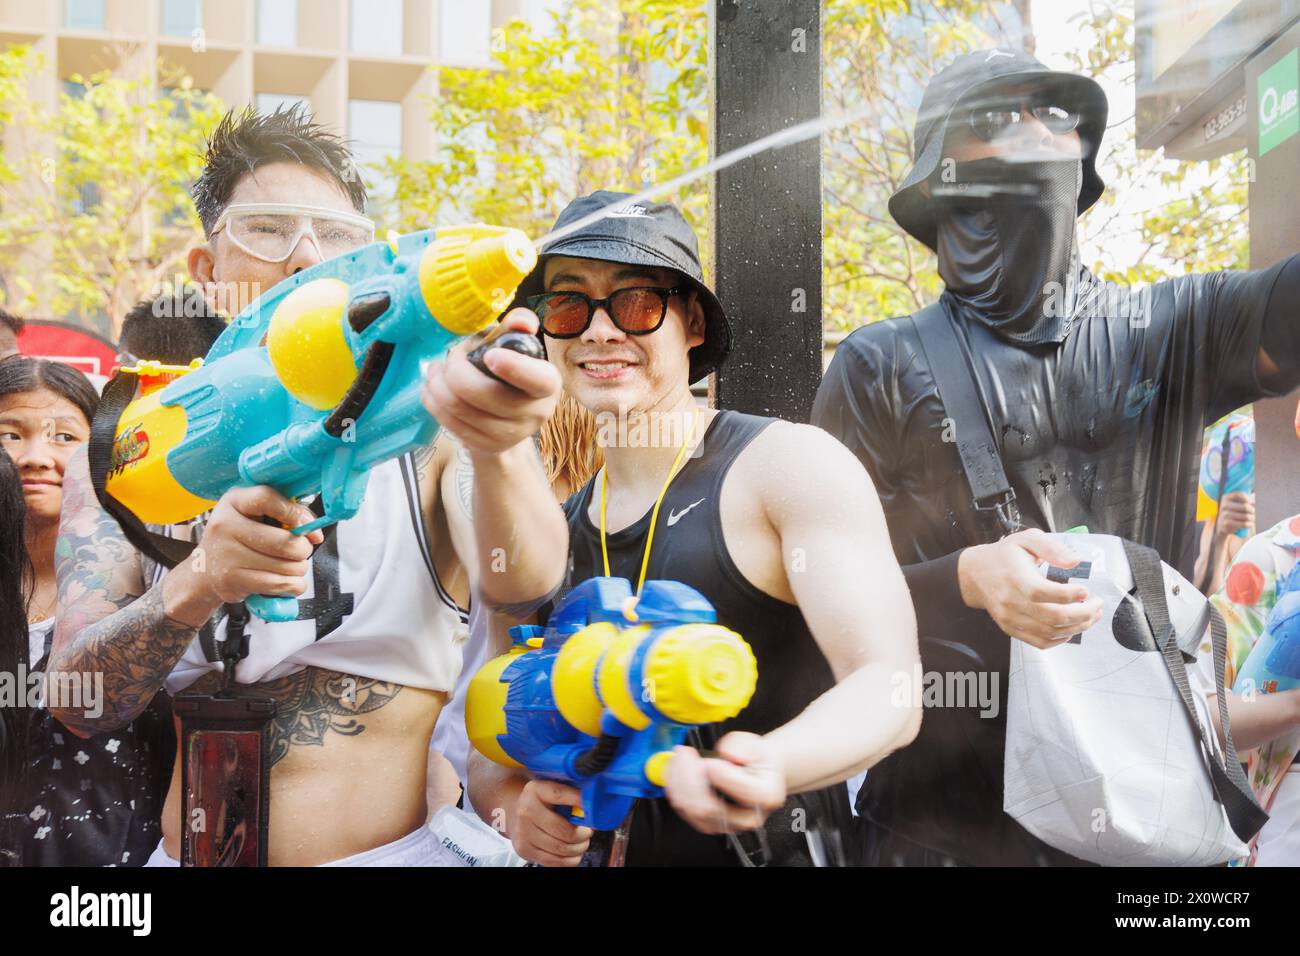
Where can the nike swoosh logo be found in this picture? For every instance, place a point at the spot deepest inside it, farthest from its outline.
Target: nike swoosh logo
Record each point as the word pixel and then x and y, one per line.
pixel 676 516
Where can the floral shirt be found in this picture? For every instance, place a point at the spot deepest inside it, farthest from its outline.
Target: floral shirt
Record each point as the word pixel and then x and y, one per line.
pixel 1249 593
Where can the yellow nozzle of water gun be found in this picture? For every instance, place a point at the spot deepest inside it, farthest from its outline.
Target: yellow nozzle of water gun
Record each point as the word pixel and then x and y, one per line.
pixel 700 673
pixel 469 274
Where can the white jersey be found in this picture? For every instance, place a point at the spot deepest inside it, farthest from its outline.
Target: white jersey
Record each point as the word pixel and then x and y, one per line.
pixel 374 606
pixel 449 736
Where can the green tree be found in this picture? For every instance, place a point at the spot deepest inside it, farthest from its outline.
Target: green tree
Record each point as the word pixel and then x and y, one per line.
pixel 1198 218
pixel 614 96
pixel 96 204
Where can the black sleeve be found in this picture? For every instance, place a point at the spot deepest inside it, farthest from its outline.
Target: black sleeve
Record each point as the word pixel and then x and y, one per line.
pixel 1234 315
pixel 1280 338
pixel 936 595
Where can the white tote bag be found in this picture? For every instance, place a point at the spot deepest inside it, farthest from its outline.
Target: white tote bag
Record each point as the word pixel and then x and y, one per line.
pixel 1104 758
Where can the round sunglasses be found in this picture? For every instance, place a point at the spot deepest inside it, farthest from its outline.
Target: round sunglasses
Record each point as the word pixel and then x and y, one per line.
pixel 635 311
pixel 993 120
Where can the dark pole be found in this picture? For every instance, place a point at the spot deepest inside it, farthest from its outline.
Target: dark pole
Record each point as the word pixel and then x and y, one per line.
pixel 767 210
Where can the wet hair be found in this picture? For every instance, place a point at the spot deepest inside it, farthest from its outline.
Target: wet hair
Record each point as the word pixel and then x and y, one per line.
pixel 174 328
pixel 20 374
pixel 244 141
pixel 15 583
pixel 568 447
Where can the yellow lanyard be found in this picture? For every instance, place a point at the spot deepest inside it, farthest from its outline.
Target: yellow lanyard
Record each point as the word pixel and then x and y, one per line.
pixel 654 515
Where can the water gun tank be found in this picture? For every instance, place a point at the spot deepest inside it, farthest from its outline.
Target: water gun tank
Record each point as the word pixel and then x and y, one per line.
pixel 466 279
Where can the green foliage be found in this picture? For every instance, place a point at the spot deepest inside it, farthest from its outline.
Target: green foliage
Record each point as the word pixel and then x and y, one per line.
pixel 97 190
pixel 1203 228
pixel 614 97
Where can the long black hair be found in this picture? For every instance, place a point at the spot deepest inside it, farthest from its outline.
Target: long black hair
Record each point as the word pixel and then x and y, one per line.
pixel 19 373
pixel 15 583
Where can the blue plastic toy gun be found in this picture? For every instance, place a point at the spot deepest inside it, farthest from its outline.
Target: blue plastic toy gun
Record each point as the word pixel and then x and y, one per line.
pixel 1274 662
pixel 316 382
pixel 1227 466
pixel 599 699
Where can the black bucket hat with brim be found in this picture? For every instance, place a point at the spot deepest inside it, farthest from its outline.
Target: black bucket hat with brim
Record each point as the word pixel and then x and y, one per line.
pixel 961 84
pixel 639 234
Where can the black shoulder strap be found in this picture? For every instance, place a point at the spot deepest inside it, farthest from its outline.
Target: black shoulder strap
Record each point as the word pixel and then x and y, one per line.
pixel 118 394
pixel 980 458
pixel 1245 815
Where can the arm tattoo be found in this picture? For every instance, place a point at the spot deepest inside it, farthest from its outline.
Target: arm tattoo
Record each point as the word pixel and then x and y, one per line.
pixel 311 704
pixel 465 481
pixel 105 625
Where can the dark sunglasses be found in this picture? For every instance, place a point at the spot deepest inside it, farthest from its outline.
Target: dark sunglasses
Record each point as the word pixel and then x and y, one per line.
pixel 993 120
pixel 636 311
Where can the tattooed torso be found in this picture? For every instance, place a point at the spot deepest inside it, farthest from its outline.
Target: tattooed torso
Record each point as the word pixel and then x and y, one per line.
pixel 350 754
pixel 311 705
pixel 348 759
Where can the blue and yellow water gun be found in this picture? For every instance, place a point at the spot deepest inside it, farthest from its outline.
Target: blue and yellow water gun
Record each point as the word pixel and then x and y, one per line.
pixel 316 382
pixel 1274 662
pixel 1227 465
pixel 599 698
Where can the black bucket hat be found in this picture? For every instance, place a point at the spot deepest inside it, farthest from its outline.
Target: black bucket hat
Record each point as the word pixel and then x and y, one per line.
pixel 638 234
pixel 961 83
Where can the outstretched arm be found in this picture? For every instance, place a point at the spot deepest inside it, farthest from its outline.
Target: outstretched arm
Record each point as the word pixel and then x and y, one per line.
pixel 1278 358
pixel 519 538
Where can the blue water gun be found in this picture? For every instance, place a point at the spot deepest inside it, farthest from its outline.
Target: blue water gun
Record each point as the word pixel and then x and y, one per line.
pixel 599 698
pixel 317 381
pixel 1274 662
pixel 1227 465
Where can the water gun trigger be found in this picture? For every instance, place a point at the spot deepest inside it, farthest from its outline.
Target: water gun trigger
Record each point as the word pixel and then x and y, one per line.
pixel 521 342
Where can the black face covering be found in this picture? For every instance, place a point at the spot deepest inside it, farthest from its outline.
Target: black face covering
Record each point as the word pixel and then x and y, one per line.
pixel 1007 245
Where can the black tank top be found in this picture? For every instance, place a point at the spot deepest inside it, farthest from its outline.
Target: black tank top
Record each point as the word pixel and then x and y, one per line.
pixel 792 672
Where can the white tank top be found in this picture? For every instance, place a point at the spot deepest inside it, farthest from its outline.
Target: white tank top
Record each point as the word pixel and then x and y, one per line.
pixel 374 606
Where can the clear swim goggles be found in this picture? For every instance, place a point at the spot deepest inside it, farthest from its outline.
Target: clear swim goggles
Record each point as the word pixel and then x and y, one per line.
pixel 271 231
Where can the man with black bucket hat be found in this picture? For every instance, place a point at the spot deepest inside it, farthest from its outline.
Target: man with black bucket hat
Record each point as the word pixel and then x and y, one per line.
pixel 773 522
pixel 1032 395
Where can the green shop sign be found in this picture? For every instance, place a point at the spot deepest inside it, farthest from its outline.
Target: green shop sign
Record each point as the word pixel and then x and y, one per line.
pixel 1279 102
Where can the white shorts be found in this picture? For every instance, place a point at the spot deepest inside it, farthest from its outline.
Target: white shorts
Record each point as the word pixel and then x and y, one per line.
pixel 418 848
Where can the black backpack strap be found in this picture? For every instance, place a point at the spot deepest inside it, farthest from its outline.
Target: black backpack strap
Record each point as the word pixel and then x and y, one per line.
pixel 118 394
pixel 991 493
pixel 1245 815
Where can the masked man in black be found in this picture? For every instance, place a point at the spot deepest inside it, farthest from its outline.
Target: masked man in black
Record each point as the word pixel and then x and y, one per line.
pixel 1094 397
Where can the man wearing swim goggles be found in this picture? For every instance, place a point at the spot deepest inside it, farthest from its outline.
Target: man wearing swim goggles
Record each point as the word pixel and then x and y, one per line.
pixel 271 231
pixel 282 218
